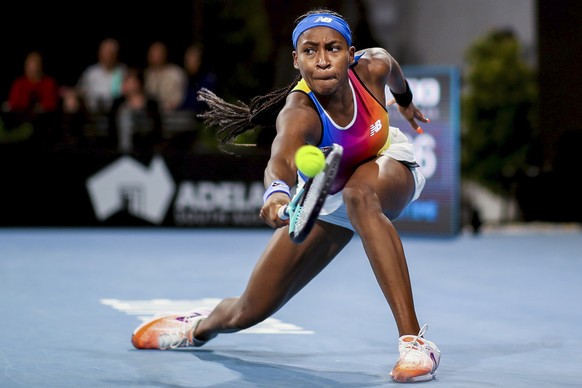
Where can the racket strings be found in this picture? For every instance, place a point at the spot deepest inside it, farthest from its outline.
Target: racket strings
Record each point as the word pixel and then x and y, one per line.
pixel 311 199
pixel 307 205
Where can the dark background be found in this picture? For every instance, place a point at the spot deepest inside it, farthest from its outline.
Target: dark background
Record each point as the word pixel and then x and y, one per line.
pixel 237 35
pixel 68 34
pixel 246 41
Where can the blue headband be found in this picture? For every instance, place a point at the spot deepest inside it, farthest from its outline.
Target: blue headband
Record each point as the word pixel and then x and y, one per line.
pixel 322 20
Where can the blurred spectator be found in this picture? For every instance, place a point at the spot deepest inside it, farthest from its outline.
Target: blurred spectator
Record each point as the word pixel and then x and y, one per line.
pixel 34 91
pixel 198 77
pixel 135 122
pixel 164 80
pixel 33 99
pixel 73 116
pixel 100 82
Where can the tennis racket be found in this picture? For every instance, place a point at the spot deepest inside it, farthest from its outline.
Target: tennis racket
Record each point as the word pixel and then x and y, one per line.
pixel 306 204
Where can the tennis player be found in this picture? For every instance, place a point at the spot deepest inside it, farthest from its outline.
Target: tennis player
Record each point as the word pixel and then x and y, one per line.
pixel 338 97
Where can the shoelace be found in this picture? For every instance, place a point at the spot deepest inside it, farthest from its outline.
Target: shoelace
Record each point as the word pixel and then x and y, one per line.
pixel 414 344
pixel 173 340
pixel 178 338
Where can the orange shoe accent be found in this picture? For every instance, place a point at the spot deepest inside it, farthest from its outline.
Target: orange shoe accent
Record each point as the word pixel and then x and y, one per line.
pixel 419 359
pixel 168 331
pixel 146 335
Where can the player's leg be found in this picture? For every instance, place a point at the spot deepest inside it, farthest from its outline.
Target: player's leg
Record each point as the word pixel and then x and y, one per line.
pixel 283 270
pixel 377 193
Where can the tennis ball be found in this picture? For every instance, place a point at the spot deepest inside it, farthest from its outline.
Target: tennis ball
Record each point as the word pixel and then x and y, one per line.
pixel 309 160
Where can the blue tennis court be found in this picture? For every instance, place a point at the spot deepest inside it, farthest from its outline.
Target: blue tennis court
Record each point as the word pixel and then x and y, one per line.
pixel 504 308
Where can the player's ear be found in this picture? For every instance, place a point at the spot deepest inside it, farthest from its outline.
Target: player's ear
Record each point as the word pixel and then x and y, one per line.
pixel 294 54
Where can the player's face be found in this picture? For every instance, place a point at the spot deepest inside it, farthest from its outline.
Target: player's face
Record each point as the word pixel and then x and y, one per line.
pixel 323 57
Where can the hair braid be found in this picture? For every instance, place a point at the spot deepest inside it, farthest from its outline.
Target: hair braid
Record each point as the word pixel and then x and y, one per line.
pixel 233 119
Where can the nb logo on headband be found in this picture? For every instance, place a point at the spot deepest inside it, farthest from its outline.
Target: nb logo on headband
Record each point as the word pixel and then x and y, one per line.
pixel 323 19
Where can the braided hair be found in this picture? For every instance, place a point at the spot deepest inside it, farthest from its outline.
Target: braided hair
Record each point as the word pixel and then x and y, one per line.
pixel 234 119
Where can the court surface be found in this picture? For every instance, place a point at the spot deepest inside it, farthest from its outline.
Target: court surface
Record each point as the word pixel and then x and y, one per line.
pixel 504 308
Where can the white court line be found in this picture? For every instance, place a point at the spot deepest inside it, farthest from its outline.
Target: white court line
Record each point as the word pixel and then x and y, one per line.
pixel 146 309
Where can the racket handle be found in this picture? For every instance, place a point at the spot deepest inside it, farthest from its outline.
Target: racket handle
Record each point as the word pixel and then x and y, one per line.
pixel 282 212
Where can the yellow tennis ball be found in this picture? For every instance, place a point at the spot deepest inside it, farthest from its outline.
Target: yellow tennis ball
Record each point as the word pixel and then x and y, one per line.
pixel 309 160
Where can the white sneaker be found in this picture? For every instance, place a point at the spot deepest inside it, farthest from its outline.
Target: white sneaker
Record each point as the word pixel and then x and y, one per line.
pixel 169 331
pixel 419 359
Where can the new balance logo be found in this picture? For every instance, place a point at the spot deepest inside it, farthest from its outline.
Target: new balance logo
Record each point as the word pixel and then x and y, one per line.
pixel 323 19
pixel 375 128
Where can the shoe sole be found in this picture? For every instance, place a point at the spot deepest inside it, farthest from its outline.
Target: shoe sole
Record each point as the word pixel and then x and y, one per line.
pixel 415 379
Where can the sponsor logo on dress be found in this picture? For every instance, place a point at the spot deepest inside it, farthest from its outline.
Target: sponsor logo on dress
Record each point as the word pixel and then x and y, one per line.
pixel 376 127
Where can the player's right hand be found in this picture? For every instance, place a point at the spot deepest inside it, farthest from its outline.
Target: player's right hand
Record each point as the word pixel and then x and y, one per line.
pixel 269 212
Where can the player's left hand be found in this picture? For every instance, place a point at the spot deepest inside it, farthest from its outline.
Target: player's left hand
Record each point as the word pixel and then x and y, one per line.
pixel 411 113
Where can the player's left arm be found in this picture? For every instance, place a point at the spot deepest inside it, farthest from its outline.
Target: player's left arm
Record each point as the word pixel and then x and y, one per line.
pixel 383 70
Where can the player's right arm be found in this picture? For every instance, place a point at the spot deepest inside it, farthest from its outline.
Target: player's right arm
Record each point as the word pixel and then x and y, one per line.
pixel 297 124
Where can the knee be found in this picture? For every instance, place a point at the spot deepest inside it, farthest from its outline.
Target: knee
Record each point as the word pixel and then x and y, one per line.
pixel 360 200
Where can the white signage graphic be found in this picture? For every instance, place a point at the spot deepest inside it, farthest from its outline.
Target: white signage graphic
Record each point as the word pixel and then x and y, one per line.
pixel 144 192
pixel 146 309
